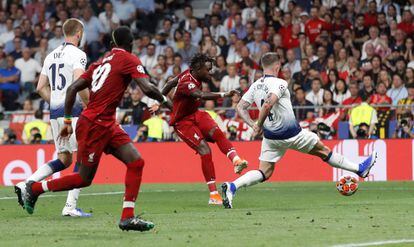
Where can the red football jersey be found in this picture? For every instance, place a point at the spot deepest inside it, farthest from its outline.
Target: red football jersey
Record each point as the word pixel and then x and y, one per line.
pixel 183 104
pixel 108 79
pixel 313 28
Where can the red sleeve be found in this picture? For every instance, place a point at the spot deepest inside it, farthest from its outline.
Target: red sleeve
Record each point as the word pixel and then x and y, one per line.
pixel 186 87
pixel 134 68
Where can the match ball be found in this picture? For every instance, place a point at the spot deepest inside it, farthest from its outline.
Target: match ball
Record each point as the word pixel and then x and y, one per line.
pixel 347 185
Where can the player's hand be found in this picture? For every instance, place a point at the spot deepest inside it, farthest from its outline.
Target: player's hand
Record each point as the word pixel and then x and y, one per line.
pixel 154 108
pixel 65 132
pixel 257 131
pixel 231 93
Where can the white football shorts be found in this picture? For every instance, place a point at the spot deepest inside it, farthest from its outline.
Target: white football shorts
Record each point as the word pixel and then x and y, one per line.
pixel 64 145
pixel 273 150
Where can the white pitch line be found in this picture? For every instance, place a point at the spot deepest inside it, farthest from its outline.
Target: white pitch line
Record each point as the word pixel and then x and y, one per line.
pixel 397 241
pixel 91 194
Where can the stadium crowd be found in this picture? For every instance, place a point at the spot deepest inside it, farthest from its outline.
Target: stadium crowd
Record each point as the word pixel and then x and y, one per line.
pixel 346 61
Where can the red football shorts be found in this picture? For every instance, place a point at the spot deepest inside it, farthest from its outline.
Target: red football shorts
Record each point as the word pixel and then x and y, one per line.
pixel 194 128
pixel 93 139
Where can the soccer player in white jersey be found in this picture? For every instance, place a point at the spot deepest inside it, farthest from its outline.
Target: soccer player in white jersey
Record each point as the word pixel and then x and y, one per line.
pixel 61 68
pixel 281 131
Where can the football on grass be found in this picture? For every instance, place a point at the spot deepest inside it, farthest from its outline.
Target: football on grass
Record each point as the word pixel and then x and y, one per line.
pixel 347 185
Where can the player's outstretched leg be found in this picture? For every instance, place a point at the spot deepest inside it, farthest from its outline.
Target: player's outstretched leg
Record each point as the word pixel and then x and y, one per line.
pixel 43 172
pixel 209 172
pixel 250 178
pixel 135 164
pixel 340 161
pixel 75 180
pixel 227 149
pixel 70 208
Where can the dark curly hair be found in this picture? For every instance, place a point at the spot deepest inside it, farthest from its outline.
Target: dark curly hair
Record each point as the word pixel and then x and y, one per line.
pixel 199 60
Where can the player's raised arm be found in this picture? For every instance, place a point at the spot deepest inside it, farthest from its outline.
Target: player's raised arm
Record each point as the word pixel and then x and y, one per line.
pixel 212 96
pixel 43 88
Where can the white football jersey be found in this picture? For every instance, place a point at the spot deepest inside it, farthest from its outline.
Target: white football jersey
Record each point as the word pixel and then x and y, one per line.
pixel 58 67
pixel 281 122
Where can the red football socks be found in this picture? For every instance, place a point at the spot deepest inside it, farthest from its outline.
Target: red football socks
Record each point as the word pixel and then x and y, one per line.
pixel 224 144
pixel 67 182
pixel 132 184
pixel 208 171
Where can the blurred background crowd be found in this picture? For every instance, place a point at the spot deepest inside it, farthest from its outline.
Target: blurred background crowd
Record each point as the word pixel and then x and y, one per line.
pixel 349 63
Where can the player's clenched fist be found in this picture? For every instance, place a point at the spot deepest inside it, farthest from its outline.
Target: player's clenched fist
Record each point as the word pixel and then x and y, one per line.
pixel 66 130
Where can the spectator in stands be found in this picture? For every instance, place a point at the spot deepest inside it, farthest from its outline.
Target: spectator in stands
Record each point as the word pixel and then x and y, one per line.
pixel 301 105
pixel 373 39
pixel 10 85
pixel 9 32
pixel 368 88
pixel 315 96
pixel 398 90
pixel 405 128
pixel 149 60
pixel 313 28
pixel 409 76
pixel 42 51
pixel 17 49
pixel 93 33
pixel 28 105
pixel 3 60
pixel 329 105
pixel 109 20
pixel 292 63
pixel 301 78
pixel 189 50
pixel 188 14
pixel 58 38
pixel 406 24
pixel 137 107
pixel 249 14
pixel 29 69
pixel 216 29
pixel 125 10
pixel 158 128
pixel 10 138
pixel 341 91
pixel 406 105
pixel 229 82
pixel 239 29
pixel 320 63
pixel 362 120
pixel 37 126
pixel 196 32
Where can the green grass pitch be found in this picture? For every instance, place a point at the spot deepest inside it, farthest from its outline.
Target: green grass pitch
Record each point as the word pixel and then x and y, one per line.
pixel 270 214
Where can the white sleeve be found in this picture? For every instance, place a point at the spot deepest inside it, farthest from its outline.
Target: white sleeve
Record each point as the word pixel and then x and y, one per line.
pixel 79 62
pixel 249 95
pixel 278 88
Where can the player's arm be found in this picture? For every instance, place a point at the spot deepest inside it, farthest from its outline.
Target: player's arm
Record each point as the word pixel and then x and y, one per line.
pixel 243 111
pixel 43 88
pixel 83 94
pixel 198 94
pixel 269 102
pixel 169 86
pixel 152 91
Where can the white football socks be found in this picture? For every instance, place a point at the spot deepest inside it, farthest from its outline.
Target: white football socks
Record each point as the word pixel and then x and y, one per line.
pixel 72 198
pixel 43 172
pixel 339 161
pixel 250 178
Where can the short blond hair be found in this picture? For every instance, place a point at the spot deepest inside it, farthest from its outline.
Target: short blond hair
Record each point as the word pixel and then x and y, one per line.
pixel 269 59
pixel 72 26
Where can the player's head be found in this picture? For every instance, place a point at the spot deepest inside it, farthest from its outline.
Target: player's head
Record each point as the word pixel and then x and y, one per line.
pixel 122 37
pixel 271 63
pixel 73 30
pixel 201 67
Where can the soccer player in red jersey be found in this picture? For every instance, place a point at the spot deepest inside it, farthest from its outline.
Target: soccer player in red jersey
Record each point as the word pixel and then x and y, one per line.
pixel 196 127
pixel 97 131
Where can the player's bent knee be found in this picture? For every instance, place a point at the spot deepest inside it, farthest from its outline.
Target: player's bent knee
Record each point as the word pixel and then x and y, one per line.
pixel 203 148
pixel 65 158
pixel 139 163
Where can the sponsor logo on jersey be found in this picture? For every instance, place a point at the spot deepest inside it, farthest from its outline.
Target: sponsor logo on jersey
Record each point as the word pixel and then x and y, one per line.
pixel 141 69
pixel 191 86
pixel 83 61
pixel 90 157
